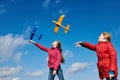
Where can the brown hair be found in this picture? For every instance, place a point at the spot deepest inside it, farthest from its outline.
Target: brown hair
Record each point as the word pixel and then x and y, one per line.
pixel 107 35
pixel 59 46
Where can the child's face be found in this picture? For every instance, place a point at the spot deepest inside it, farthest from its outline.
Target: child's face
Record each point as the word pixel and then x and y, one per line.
pixel 101 38
pixel 54 44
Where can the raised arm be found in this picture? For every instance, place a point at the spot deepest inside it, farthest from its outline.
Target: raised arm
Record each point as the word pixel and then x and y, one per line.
pixel 39 45
pixel 86 44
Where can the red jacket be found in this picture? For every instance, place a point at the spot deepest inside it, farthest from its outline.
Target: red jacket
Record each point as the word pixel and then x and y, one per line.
pixel 54 56
pixel 107 58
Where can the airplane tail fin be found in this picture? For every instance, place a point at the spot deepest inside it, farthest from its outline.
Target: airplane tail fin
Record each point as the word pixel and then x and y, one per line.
pixel 67 28
pixel 40 36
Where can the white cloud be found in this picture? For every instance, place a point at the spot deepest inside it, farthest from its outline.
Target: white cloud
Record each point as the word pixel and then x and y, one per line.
pixel 2 9
pixel 9 44
pixel 4 5
pixel 63 11
pixel 76 67
pixel 68 53
pixel 57 1
pixel 34 74
pixel 95 70
pixel 6 78
pixel 25 53
pixel 28 29
pixel 16 79
pixel 118 30
pixel 9 71
pixel 46 3
pixel 17 57
pixel 9 78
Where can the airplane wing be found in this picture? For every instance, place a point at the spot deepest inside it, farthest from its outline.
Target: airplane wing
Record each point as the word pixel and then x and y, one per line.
pixel 31 36
pixel 56 29
pixel 60 19
pixel 59 22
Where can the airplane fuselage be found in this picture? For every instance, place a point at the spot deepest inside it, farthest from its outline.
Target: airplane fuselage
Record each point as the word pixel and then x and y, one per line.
pixel 59 25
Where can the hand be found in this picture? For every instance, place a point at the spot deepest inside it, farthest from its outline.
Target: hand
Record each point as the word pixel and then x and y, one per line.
pixel 110 76
pixel 31 41
pixel 54 72
pixel 78 44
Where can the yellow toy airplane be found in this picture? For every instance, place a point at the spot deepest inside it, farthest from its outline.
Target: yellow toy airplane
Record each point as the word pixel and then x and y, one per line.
pixel 58 24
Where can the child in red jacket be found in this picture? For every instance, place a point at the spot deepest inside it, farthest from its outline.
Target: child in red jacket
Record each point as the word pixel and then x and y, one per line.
pixel 107 56
pixel 55 57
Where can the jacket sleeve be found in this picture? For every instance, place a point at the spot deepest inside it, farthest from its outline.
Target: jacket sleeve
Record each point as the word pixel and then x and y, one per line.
pixel 58 60
pixel 41 47
pixel 113 57
pixel 89 46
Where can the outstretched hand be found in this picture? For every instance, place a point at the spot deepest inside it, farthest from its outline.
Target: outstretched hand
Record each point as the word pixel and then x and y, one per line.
pixel 78 44
pixel 31 41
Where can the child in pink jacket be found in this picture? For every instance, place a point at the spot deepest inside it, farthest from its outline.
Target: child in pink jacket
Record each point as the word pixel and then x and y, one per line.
pixel 55 57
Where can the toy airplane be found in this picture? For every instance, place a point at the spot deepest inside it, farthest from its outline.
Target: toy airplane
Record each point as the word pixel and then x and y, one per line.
pixel 58 24
pixel 33 33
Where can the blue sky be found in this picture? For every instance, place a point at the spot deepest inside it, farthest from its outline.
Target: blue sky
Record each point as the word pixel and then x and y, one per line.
pixel 20 60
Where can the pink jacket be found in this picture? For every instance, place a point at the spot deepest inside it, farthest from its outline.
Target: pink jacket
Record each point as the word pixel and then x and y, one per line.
pixel 107 58
pixel 54 56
